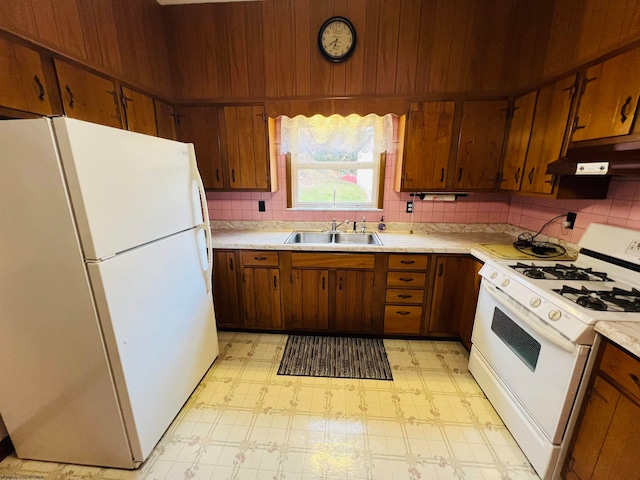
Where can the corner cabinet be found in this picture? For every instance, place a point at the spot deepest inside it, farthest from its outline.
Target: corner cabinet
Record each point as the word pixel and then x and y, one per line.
pixel 517 144
pixel 607 436
pixel 232 146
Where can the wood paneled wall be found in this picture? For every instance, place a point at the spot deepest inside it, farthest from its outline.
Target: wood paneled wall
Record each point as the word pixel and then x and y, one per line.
pixel 269 49
pixel 124 38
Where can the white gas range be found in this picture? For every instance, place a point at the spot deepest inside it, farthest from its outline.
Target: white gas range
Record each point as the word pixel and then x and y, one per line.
pixel 534 334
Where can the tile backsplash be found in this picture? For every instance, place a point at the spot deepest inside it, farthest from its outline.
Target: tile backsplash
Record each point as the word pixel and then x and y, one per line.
pixel 476 208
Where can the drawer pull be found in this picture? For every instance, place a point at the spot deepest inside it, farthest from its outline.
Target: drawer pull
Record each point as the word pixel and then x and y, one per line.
pixel 403 279
pixel 403 312
pixel 635 379
pixel 407 262
pixel 405 296
pixel 260 259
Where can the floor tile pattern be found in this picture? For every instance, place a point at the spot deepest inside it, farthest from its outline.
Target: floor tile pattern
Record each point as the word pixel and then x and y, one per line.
pixel 245 422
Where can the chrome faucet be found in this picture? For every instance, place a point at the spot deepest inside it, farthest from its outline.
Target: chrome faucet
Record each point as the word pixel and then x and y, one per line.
pixel 334 225
pixel 362 224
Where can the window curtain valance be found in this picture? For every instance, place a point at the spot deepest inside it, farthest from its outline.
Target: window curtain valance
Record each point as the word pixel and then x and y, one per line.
pixel 343 135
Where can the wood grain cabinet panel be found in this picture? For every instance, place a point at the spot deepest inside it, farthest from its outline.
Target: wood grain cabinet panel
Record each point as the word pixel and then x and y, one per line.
pixel 166 120
pixel 226 295
pixel 22 81
pixel 424 163
pixel 517 144
pixel 87 96
pixel 140 112
pixel 354 301
pixel 403 319
pixel 480 145
pixel 609 100
pixel 262 298
pixel 608 433
pixel 310 299
pixel 406 295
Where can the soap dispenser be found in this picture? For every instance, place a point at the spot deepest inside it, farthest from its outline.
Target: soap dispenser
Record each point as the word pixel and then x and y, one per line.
pixel 382 226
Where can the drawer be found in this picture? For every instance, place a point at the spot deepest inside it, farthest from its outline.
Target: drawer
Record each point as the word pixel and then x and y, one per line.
pixel 256 258
pixel 402 319
pixel 406 279
pixel 622 367
pixel 333 260
pixel 408 262
pixel 399 295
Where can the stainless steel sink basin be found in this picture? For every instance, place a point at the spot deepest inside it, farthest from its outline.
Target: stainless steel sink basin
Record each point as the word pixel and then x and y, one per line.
pixel 357 238
pixel 334 238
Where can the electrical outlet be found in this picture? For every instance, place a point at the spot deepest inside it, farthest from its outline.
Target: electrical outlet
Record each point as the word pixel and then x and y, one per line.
pixel 571 220
pixel 261 207
pixel 634 248
pixel 409 207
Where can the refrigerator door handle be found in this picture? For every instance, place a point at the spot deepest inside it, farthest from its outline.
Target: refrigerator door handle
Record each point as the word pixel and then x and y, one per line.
pixel 205 214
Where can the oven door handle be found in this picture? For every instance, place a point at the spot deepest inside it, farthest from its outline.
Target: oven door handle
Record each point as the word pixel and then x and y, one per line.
pixel 542 330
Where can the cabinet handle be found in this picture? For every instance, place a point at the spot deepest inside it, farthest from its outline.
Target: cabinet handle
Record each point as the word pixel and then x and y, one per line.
pixel 275 282
pixel 459 175
pixel 114 94
pixel 403 279
pixel 323 283
pixel 217 174
pixel 624 110
pixel 231 264
pixel 441 270
pixel 233 174
pixel 531 175
pixel 40 88
pixel 517 175
pixel 340 283
pixel 407 262
pixel 441 175
pixel 552 181
pixel 403 312
pixel 260 259
pixel 405 296
pixel 69 95
pixel 635 379
pixel 125 99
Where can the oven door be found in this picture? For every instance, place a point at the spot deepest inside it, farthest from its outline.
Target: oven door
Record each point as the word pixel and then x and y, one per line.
pixel 541 368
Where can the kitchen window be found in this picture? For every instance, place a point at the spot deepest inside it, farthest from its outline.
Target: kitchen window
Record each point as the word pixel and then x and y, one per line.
pixel 336 162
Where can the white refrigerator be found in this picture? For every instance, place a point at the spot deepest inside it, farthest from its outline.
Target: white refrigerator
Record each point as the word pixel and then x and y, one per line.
pixel 106 312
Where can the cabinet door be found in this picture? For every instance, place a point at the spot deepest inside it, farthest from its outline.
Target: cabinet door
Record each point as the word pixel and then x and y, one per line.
pixel 518 142
pixel 310 299
pixel 246 147
pixel 547 134
pixel 262 298
pixel 354 301
pixel 427 146
pixel 140 112
pixel 199 125
pixel 87 96
pixel 166 120
pixel 610 99
pixel 455 294
pixel 22 82
pixel 226 296
pixel 480 145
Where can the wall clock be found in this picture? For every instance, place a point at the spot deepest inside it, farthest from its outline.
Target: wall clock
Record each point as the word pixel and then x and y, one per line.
pixel 337 39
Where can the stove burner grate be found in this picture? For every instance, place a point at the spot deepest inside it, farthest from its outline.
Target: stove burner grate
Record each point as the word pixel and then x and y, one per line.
pixel 616 299
pixel 560 272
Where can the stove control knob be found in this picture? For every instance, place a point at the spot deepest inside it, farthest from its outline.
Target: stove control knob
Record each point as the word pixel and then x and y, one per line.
pixel 494 274
pixel 505 282
pixel 555 315
pixel 535 302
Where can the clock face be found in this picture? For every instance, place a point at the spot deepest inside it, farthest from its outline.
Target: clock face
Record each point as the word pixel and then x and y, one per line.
pixel 337 39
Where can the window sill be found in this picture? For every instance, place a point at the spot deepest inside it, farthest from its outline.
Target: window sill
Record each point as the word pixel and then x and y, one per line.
pixel 337 209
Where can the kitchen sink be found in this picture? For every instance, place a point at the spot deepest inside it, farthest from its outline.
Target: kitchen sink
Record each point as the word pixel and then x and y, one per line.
pixel 344 238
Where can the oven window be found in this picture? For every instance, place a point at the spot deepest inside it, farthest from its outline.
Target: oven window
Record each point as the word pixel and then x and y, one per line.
pixel 518 340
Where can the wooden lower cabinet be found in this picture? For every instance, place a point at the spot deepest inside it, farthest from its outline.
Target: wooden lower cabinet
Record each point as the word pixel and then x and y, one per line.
pixel 405 296
pixel 607 437
pixel 309 299
pixel 262 299
pixel 455 294
pixel 226 296
pixel 354 301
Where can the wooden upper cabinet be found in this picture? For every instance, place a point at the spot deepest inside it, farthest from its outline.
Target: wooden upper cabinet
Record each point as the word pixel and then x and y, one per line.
pixel 140 111
pixel 480 145
pixel 518 141
pixel 547 134
pixel 245 147
pixel 87 96
pixel 610 98
pixel 426 150
pixel 166 120
pixel 22 82
pixel 199 125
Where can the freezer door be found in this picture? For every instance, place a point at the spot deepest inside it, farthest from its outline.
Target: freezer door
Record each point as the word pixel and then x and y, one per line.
pixel 157 317
pixel 127 189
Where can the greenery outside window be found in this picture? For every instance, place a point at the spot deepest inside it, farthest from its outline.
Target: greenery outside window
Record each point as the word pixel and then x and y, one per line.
pixel 336 162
